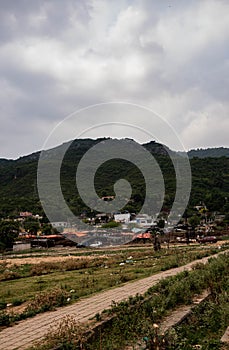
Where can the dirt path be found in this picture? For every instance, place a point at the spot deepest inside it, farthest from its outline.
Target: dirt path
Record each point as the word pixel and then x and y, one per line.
pixel 46 259
pixel 225 337
pixel 22 335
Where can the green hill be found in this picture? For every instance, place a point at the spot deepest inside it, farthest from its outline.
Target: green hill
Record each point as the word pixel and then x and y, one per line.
pixel 18 180
pixel 209 152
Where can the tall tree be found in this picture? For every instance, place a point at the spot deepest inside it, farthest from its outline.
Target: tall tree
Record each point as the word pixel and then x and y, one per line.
pixel 8 232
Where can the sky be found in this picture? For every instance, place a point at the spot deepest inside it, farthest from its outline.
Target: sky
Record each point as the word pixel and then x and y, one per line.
pixel 60 56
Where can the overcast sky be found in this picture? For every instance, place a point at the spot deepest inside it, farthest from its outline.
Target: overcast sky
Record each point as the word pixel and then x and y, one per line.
pixel 59 56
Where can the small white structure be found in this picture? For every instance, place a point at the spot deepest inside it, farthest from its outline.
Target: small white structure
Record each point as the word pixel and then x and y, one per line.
pixel 96 244
pixel 124 218
pixel 59 224
pixel 18 246
pixel 144 220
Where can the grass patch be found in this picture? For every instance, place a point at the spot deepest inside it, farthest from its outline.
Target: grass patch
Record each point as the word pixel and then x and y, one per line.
pixel 206 324
pixel 88 276
pixel 138 317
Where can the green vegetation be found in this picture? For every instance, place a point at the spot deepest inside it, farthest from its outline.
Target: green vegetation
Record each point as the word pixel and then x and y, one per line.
pixel 8 232
pixel 111 224
pixel 127 322
pixel 18 189
pixel 206 324
pixel 209 152
pixel 86 276
pixel 31 225
pixel 44 301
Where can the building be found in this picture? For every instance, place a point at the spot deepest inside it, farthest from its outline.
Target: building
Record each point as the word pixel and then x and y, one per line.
pixel 144 220
pixel 57 224
pixel 123 218
pixel 25 214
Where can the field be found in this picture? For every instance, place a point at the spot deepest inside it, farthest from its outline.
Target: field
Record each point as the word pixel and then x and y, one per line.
pixel 37 282
pixel 131 323
pixel 75 274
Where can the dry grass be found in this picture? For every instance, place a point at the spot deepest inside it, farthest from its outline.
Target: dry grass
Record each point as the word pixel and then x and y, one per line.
pixel 44 259
pixel 67 332
pixel 88 274
pixel 48 300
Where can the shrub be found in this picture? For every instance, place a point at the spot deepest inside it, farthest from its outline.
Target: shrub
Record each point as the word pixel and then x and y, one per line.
pixel 3 305
pixel 111 224
pixel 67 335
pixel 4 319
pixel 9 275
pixel 17 302
pixel 48 300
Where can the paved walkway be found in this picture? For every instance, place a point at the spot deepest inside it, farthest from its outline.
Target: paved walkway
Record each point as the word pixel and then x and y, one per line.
pixel 22 335
pixel 225 337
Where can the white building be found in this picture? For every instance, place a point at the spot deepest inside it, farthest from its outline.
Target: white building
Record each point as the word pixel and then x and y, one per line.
pixel 57 224
pixel 124 218
pixel 144 220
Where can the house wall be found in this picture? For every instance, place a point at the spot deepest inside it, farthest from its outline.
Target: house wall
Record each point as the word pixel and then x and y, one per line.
pixel 122 217
pixel 21 246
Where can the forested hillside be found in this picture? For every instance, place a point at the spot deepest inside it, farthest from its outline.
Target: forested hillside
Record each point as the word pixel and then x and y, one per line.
pixel 209 152
pixel 18 189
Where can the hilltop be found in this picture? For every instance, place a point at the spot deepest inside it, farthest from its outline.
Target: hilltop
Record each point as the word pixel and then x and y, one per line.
pixel 209 152
pixel 210 180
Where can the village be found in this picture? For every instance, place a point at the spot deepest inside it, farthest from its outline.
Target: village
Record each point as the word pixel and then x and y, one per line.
pixel 120 228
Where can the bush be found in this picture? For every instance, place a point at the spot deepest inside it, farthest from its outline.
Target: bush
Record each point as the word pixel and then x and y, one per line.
pixel 67 335
pixel 3 305
pixel 48 300
pixel 4 319
pixel 17 302
pixel 111 224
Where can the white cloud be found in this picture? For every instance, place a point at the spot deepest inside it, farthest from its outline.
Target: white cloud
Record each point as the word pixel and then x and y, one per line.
pixel 57 56
pixel 207 126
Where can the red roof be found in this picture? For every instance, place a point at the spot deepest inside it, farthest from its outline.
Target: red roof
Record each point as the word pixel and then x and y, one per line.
pixel 143 236
pixel 51 236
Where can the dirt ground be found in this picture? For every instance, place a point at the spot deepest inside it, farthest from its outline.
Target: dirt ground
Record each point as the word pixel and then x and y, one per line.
pixel 46 259
pixel 58 258
pixel 60 255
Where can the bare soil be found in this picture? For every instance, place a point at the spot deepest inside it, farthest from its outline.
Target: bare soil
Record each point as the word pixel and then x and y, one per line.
pixel 46 259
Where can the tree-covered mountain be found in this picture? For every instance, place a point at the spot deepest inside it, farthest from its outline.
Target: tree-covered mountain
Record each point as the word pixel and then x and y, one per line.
pixel 18 180
pixel 209 152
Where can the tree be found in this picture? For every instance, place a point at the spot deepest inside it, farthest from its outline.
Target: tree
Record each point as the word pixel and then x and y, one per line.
pixel 194 221
pixel 47 229
pixel 8 232
pixel 31 226
pixel 161 223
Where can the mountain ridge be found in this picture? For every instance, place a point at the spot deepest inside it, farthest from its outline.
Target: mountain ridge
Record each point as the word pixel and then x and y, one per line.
pixel 18 179
pixel 209 152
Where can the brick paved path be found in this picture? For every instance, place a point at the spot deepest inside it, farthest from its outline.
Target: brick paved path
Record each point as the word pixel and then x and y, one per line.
pixel 23 334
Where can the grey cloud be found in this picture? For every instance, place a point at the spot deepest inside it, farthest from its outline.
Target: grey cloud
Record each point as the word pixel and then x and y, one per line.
pixel 39 18
pixel 57 56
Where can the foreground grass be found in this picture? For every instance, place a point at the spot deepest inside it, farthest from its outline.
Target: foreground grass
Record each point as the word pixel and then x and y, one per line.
pixel 88 276
pixel 207 323
pixel 45 286
pixel 138 317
